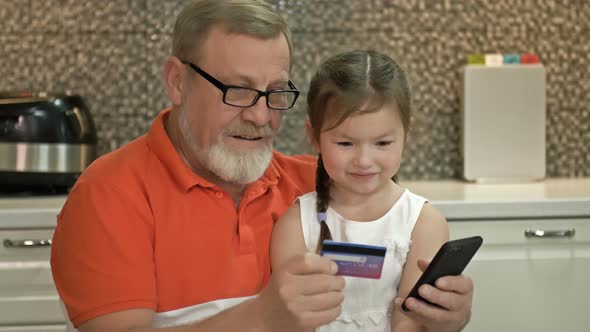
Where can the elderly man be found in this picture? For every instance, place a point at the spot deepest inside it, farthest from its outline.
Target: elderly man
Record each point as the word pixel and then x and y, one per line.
pixel 171 232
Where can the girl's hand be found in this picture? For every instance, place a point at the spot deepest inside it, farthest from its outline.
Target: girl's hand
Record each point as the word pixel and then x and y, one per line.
pixel 454 295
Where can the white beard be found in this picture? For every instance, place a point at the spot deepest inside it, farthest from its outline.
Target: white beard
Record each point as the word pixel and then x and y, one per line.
pixel 239 167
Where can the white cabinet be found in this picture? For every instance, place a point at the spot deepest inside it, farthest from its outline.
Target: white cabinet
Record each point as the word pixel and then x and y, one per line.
pixel 36 328
pixel 522 284
pixel 28 299
pixel 529 283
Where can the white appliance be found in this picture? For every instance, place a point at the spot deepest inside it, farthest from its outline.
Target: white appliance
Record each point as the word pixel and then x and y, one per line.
pixel 503 123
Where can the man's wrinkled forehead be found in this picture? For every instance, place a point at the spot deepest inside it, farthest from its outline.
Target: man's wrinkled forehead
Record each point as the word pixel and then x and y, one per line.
pixel 231 31
pixel 245 57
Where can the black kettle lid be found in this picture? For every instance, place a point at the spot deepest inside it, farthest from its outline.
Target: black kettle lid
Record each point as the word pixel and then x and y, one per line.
pixel 42 117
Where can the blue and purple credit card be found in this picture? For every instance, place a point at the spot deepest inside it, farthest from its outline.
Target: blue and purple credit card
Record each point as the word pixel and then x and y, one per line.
pixel 355 260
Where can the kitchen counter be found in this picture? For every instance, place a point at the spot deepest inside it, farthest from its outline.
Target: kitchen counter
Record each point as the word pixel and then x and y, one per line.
pixel 457 200
pixel 30 212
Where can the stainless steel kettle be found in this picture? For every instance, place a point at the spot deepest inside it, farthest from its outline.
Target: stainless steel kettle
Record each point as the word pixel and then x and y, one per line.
pixel 46 140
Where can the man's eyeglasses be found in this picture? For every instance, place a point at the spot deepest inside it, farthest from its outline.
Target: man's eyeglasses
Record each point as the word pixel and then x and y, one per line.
pixel 239 96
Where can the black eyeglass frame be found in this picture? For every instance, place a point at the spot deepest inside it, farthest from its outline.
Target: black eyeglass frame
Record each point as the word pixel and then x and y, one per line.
pixel 224 88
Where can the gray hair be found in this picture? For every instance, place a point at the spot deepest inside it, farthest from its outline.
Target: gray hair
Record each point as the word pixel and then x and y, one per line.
pixel 256 18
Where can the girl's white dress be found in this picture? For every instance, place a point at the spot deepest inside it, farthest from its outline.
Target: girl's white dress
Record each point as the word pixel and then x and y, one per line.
pixel 367 302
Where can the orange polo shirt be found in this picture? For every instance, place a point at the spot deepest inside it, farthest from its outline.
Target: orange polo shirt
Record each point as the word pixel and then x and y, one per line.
pixel 141 230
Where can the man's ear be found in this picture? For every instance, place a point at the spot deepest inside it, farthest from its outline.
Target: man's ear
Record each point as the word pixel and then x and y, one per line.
pixel 174 79
pixel 309 131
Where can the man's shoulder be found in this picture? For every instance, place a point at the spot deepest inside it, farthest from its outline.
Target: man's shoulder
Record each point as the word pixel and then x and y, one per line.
pixel 297 171
pixel 119 166
pixel 298 163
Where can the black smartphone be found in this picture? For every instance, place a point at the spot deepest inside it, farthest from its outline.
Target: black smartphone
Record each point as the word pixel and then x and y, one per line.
pixel 451 259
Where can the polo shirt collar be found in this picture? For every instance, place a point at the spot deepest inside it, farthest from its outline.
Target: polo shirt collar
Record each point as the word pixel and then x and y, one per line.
pixel 183 175
pixel 162 147
pixel 271 175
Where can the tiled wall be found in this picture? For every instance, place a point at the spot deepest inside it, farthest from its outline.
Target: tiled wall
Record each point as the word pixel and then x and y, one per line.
pixel 111 53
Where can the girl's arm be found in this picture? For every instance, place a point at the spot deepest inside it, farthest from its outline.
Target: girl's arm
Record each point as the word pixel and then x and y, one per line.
pixel 287 237
pixel 429 233
pixel 287 240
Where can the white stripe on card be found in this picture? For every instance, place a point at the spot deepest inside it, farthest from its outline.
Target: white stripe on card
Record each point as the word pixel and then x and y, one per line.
pixel 346 258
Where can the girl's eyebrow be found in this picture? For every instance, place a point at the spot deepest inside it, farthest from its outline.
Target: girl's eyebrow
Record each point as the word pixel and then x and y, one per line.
pixel 391 133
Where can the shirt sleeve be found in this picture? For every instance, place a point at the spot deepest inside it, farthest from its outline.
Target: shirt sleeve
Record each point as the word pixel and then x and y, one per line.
pixel 102 252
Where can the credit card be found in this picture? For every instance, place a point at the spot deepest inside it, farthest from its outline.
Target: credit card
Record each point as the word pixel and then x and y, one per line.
pixel 355 260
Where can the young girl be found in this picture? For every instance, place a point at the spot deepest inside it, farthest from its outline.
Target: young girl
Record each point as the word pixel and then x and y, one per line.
pixel 359 121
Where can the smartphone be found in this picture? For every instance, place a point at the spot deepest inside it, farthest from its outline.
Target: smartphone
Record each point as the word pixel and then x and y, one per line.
pixel 450 260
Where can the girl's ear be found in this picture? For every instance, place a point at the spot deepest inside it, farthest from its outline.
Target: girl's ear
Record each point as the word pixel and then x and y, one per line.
pixel 174 79
pixel 311 137
pixel 410 130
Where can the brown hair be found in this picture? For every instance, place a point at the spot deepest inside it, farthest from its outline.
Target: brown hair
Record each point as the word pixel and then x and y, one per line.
pixel 357 82
pixel 251 17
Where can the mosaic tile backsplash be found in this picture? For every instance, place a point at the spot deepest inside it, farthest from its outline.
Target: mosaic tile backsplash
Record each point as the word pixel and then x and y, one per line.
pixel 111 53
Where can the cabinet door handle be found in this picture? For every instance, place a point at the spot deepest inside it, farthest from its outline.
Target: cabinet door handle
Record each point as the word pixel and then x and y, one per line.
pixel 556 233
pixel 26 243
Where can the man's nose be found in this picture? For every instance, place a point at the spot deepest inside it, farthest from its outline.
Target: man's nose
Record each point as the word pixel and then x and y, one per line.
pixel 259 113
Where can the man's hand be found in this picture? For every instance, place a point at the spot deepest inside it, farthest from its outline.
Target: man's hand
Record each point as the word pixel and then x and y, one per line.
pixel 453 293
pixel 303 294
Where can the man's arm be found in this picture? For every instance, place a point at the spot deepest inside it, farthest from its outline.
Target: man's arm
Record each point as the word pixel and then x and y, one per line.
pixel 303 294
pixel 243 317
